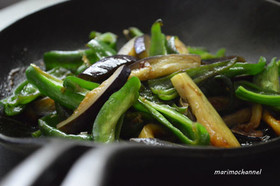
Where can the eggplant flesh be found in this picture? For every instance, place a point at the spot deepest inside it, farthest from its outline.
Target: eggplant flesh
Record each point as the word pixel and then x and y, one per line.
pixel 103 69
pixel 83 117
pixel 158 66
pixel 128 48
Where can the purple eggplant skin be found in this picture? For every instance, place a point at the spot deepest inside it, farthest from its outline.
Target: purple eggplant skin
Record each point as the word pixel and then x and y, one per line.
pixel 103 69
pixel 142 46
pixel 83 117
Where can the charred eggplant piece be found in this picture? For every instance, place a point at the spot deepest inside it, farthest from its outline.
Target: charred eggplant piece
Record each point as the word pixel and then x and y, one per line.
pixel 84 116
pixel 158 66
pixel 103 69
pixel 142 46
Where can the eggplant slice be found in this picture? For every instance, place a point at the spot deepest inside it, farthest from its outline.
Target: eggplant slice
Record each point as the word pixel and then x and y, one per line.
pixel 83 117
pixel 158 66
pixel 103 69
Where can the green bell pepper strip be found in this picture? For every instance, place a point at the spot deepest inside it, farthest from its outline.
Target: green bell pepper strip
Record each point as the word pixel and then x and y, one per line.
pixel 266 90
pixel 157 46
pixel 104 127
pixel 79 85
pixel 132 32
pixel 187 131
pixel 135 32
pixel 78 60
pixel 269 78
pixel 23 94
pixel 108 37
pixel 200 74
pixel 48 130
pixel 71 60
pixel 52 87
pixel 204 54
pixel 101 50
pixel 240 68
pixel 254 88
pixel 167 95
pixel 26 93
pixel 256 97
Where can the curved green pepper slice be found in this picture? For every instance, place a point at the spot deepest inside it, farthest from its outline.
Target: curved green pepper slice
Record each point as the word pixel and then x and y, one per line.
pixel 187 131
pixel 104 127
pixel 53 87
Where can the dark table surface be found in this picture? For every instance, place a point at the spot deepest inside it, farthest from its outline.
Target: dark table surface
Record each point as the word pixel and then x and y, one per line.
pixel 10 158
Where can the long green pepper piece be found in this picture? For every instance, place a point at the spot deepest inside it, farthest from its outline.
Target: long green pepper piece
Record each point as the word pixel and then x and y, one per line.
pixel 104 127
pixel 269 78
pixel 48 130
pixel 267 81
pixel 198 135
pixel 157 40
pixel 26 93
pixel 52 87
pixel 78 84
pixel 68 59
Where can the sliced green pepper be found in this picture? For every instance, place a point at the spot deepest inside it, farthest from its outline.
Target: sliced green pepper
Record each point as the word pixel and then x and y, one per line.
pixel 187 131
pixel 258 97
pixel 108 37
pixel 132 32
pixel 269 78
pixel 240 68
pixel 71 60
pixel 26 93
pixel 78 60
pixel 104 127
pixel 23 94
pixel 157 46
pixel 79 85
pixel 204 54
pixel 266 91
pixel 52 87
pixel 101 49
pixel 47 129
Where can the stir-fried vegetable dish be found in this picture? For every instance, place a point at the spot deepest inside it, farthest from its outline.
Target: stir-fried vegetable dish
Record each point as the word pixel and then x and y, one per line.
pixel 155 89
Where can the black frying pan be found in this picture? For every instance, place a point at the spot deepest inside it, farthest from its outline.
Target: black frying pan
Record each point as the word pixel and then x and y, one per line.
pixel 248 28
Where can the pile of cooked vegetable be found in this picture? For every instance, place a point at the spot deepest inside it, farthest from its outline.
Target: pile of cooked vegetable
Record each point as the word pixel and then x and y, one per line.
pixel 155 90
